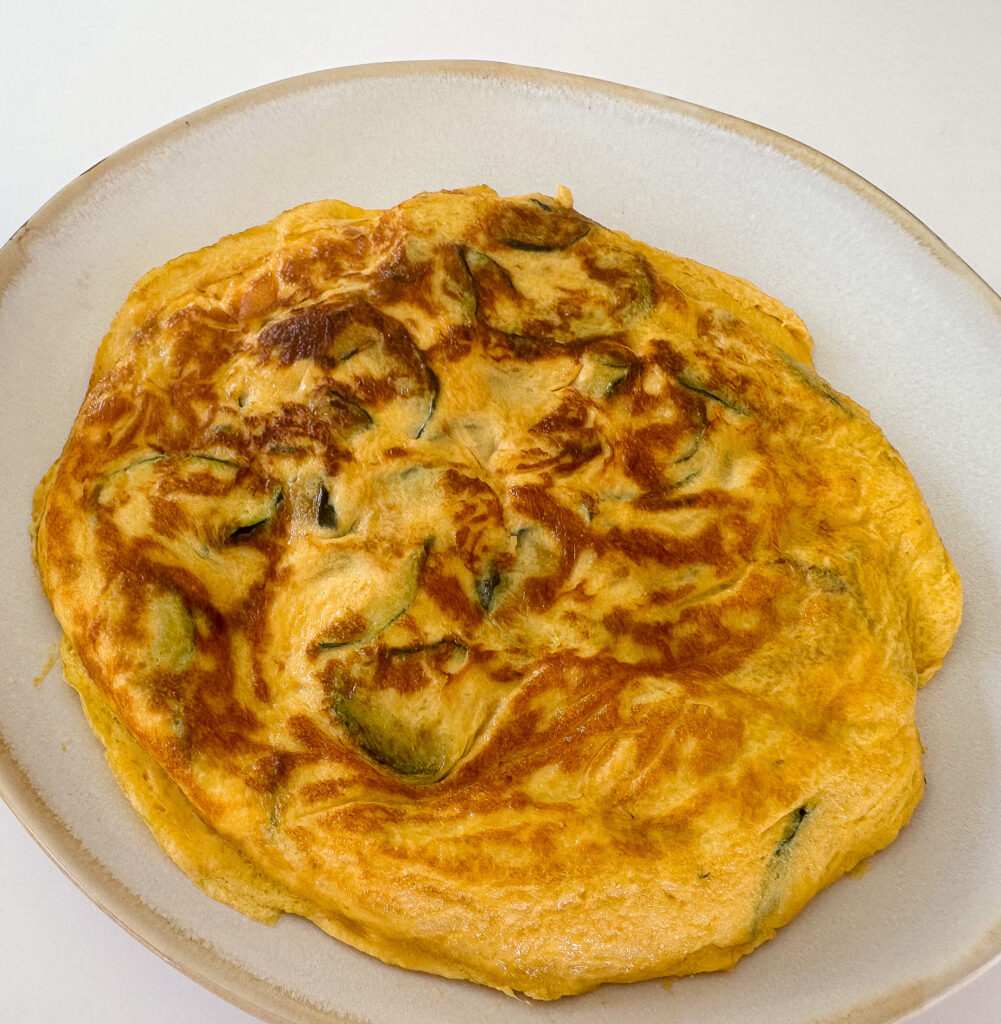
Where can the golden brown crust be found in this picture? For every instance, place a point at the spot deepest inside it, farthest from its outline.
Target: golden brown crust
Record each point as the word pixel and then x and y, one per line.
pixel 509 597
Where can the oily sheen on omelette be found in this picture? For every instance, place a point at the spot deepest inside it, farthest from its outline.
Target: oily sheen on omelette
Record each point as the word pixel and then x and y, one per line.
pixel 508 597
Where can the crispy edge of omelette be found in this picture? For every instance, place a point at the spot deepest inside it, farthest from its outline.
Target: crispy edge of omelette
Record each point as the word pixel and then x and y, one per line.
pixel 202 854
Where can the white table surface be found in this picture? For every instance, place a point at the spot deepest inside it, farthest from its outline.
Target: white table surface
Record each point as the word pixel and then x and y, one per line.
pixel 905 92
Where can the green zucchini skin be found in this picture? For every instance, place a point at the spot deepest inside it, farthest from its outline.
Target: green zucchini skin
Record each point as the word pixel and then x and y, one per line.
pixel 400 733
pixel 348 415
pixel 520 304
pixel 775 876
pixel 602 375
pixel 256 519
pixel 386 741
pixel 387 607
pixel 485 587
pixel 433 388
pixel 374 372
pixel 699 387
pixel 326 513
pixel 792 827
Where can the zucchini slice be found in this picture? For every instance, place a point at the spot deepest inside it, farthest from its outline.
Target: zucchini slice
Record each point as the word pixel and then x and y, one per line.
pixel 211 503
pixel 432 398
pixel 536 226
pixel 141 469
pixel 485 587
pixel 390 741
pixel 812 380
pixel 628 279
pixel 498 303
pixel 372 366
pixel 774 879
pixel 792 826
pixel 368 598
pixel 601 374
pixel 396 726
pixel 171 632
pixel 453 288
pixel 257 514
pixel 566 296
pixel 690 382
pixel 347 416
pixel 326 513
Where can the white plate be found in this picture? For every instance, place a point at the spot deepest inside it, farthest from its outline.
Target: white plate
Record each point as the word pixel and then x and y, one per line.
pixel 900 323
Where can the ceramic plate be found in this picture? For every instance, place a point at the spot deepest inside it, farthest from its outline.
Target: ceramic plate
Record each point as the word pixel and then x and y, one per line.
pixel 900 323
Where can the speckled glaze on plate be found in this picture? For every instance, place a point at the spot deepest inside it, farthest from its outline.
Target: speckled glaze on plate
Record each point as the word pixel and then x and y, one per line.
pixel 900 324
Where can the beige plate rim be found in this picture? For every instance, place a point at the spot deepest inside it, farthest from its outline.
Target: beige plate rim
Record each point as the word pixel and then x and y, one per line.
pixel 202 964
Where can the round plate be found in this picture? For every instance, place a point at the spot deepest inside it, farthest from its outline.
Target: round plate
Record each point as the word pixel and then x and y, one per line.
pixel 900 324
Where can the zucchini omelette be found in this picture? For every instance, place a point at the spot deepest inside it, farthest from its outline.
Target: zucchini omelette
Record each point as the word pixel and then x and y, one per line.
pixel 508 597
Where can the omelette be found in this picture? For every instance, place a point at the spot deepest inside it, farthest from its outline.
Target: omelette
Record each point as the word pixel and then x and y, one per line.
pixel 508 597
